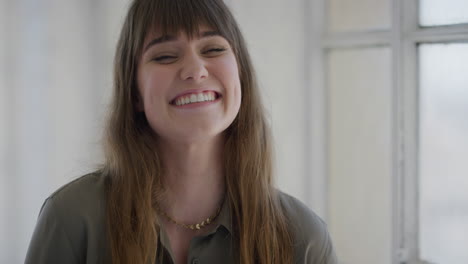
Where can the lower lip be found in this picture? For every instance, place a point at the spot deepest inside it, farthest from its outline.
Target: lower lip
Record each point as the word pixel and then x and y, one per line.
pixel 196 105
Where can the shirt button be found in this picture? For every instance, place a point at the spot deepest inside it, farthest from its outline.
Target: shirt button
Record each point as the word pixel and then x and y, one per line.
pixel 195 261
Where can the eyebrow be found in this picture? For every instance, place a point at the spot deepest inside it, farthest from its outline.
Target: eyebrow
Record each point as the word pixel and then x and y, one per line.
pixel 167 38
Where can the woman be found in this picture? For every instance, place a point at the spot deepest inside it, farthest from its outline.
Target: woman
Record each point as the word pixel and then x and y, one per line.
pixel 188 171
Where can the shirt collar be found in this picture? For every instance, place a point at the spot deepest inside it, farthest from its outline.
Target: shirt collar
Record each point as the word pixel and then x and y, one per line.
pixel 225 217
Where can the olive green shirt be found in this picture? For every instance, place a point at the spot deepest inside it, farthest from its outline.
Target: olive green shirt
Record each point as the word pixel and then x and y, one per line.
pixel 71 228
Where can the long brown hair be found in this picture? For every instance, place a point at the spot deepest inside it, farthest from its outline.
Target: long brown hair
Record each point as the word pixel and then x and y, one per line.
pixel 133 169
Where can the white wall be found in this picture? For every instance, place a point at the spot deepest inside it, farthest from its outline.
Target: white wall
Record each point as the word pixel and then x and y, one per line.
pixel 55 78
pixel 3 128
pixel 275 33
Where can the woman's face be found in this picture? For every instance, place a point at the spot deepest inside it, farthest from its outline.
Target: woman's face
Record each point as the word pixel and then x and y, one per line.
pixel 189 88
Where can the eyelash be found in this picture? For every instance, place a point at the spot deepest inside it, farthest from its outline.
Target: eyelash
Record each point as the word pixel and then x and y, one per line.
pixel 161 58
pixel 215 50
pixel 166 57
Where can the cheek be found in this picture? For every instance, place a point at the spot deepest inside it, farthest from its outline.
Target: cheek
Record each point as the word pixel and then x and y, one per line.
pixel 153 87
pixel 230 74
pixel 237 91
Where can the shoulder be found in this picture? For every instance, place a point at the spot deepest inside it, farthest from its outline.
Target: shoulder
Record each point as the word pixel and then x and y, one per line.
pixel 306 225
pixel 87 190
pixel 71 223
pixel 311 240
pixel 80 204
pixel 81 201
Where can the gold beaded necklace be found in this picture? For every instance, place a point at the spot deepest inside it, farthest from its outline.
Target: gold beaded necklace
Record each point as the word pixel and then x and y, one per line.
pixel 196 226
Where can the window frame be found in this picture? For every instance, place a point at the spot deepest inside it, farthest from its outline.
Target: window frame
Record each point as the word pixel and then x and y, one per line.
pixel 403 38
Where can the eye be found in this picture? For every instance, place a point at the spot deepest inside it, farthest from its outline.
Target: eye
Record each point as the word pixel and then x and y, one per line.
pixel 165 59
pixel 214 51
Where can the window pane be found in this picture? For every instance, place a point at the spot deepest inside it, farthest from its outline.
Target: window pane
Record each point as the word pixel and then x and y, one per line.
pixel 438 12
pixel 359 15
pixel 443 164
pixel 359 149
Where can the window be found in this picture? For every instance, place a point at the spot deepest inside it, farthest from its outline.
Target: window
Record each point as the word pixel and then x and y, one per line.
pixel 443 152
pixel 447 12
pixel 392 75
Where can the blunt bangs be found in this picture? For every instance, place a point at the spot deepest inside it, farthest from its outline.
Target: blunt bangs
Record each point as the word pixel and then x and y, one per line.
pixel 174 16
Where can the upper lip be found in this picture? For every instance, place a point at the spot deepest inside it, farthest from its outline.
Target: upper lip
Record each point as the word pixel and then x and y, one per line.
pixel 194 91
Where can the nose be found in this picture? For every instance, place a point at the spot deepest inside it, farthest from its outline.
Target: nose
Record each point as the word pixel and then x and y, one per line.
pixel 193 68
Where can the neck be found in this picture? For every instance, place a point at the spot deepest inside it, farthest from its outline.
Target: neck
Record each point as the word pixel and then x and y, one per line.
pixel 193 179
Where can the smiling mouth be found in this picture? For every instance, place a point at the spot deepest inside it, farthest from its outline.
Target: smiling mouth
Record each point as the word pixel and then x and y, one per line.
pixel 193 98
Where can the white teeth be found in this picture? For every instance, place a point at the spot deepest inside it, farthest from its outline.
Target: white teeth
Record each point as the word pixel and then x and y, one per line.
pixel 195 98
